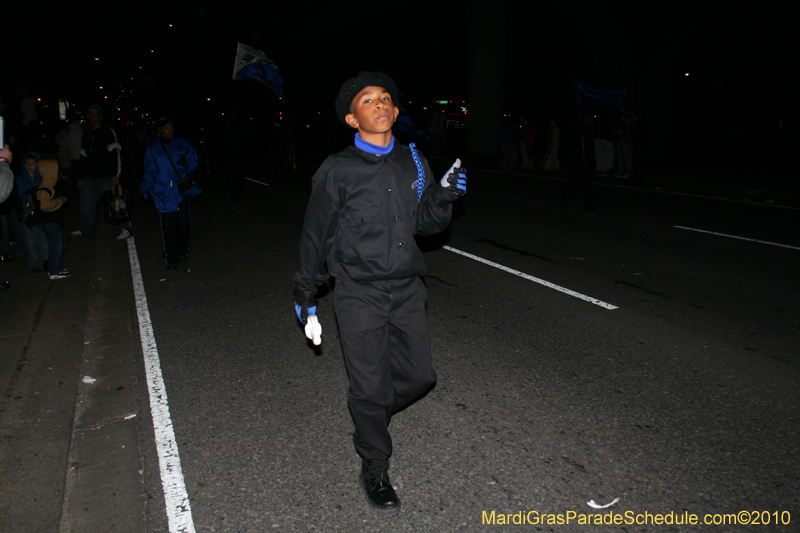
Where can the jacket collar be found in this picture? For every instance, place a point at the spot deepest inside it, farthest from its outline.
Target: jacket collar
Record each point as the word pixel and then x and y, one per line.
pixel 372 159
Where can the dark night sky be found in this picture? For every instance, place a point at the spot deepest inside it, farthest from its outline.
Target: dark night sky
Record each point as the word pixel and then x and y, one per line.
pixel 741 61
pixel 314 49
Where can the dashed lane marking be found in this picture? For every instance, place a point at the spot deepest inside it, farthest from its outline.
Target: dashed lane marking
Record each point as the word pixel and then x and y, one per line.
pixel 737 237
pixel 589 299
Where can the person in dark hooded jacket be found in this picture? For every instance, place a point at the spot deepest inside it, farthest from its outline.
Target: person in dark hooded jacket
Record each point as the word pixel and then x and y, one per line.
pixel 169 161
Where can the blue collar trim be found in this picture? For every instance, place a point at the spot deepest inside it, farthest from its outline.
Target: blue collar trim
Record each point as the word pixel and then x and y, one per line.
pixel 370 148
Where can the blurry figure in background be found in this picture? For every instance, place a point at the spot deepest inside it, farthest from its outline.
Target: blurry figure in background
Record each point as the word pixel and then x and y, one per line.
pixel 73 142
pixel 234 151
pixel 527 140
pixel 100 167
pixel 29 232
pixel 68 142
pixel 201 145
pixel 11 125
pixel 436 128
pixel 640 144
pixel 169 161
pixel 6 187
pixel 508 144
pixel 6 211
pixel 582 164
pixel 62 154
pixel 290 138
pixel 6 175
pixel 30 131
pixel 622 135
pixel 604 125
pixel 605 155
pixel 134 148
pixel 6 204
pixel 550 161
pixel 275 146
pixel 52 217
pixel 27 106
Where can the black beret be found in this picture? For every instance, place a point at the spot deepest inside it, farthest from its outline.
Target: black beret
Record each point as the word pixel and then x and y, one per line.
pixel 351 88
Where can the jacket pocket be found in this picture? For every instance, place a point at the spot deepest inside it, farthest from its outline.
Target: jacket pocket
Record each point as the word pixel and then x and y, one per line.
pixel 366 232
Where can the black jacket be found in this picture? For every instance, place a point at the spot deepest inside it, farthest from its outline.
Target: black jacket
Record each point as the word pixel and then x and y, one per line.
pixel 362 218
pixel 100 153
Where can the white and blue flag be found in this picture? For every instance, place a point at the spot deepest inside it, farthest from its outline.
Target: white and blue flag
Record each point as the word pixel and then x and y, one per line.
pixel 252 63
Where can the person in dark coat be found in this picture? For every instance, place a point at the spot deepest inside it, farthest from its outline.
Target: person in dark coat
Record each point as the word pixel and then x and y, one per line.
pixel 367 203
pixel 99 168
pixel 582 166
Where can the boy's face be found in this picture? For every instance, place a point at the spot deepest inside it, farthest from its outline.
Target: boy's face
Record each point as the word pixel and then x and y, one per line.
pixel 31 165
pixel 372 111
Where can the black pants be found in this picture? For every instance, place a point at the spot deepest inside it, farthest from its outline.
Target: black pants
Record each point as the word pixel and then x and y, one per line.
pixel 176 233
pixel 387 349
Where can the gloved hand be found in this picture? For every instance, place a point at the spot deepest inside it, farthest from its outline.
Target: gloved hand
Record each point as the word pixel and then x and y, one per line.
pixel 303 314
pixel 313 329
pixel 455 181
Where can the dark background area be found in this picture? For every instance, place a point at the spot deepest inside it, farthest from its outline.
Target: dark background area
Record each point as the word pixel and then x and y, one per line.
pixel 734 113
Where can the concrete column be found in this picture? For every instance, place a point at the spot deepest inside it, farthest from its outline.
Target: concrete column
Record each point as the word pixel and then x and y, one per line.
pixel 487 50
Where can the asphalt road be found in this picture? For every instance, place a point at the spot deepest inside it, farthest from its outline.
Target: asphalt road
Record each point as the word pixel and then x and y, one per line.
pixel 683 399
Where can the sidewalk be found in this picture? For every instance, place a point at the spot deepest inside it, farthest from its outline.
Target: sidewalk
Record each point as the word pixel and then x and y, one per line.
pixel 69 452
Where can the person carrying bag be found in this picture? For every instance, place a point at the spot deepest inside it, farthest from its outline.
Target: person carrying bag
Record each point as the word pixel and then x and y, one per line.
pixel 169 162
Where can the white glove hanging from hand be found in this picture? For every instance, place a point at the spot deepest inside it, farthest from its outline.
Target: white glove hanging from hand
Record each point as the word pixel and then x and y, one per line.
pixel 308 317
pixel 314 330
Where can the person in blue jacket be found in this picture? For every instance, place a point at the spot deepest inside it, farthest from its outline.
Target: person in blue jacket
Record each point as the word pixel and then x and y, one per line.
pixel 169 161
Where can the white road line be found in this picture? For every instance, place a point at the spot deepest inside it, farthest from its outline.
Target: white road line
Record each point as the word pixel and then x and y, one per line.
pixel 737 237
pixel 256 181
pixel 589 299
pixel 179 512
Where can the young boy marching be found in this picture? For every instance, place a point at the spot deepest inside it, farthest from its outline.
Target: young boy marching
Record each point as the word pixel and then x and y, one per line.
pixel 367 203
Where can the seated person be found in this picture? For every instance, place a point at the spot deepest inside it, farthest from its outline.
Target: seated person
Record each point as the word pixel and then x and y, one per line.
pixel 30 237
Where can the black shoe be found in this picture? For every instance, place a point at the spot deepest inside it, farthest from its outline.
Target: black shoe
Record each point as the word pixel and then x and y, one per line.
pixel 172 266
pixel 374 480
pixel 6 257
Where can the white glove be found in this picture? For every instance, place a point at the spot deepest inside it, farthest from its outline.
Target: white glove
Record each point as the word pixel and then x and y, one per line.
pixel 314 330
